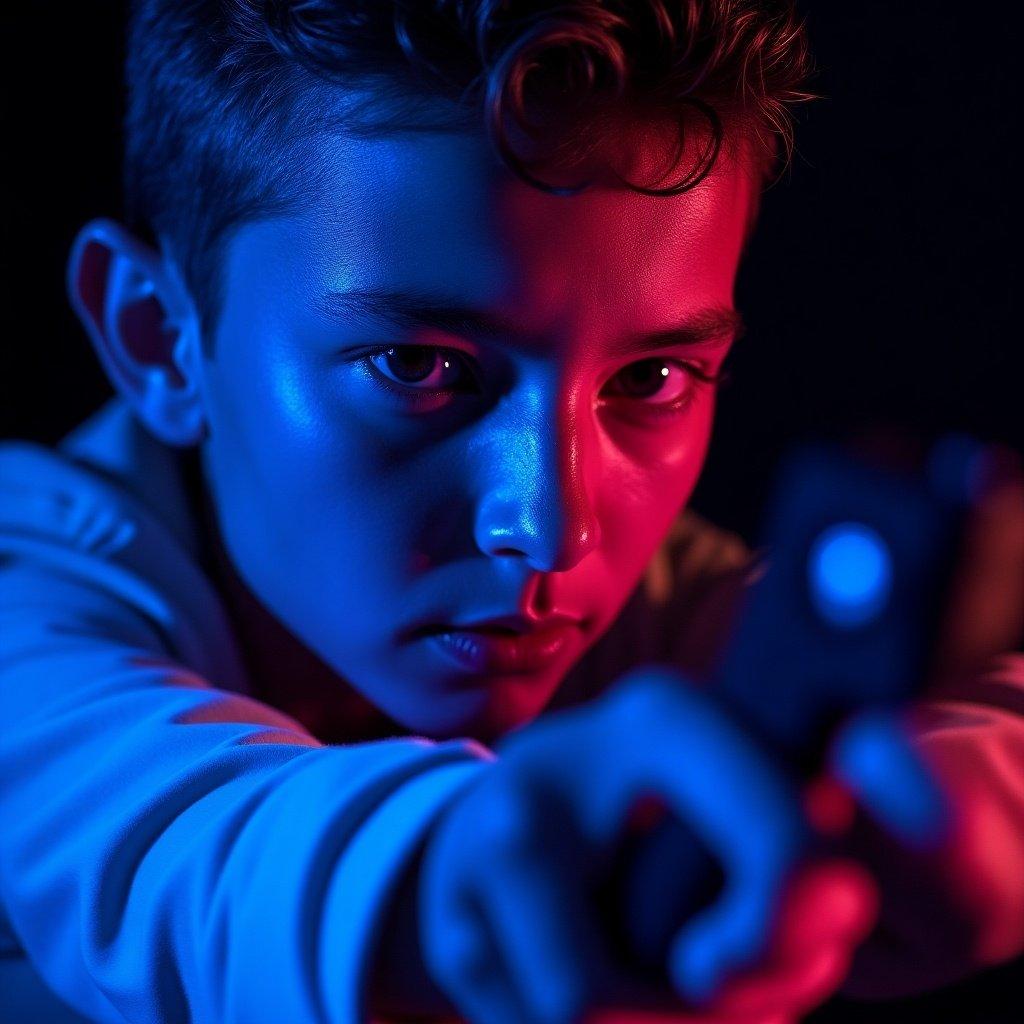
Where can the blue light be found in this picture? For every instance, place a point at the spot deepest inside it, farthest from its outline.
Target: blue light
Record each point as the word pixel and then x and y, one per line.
pixel 850 574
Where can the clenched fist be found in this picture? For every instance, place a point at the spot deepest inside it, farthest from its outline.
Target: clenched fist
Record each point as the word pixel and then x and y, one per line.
pixel 509 923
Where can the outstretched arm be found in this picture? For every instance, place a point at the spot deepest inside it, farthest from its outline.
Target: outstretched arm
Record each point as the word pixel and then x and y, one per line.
pixel 171 851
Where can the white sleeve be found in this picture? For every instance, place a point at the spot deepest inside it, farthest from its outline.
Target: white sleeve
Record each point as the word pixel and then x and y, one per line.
pixel 174 852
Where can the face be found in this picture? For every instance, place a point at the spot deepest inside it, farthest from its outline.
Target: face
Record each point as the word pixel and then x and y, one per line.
pixel 439 396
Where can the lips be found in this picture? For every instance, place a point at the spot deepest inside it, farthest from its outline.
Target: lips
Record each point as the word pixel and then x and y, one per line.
pixel 482 651
pixel 496 646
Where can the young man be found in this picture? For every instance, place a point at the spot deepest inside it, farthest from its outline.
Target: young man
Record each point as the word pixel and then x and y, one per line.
pixel 407 421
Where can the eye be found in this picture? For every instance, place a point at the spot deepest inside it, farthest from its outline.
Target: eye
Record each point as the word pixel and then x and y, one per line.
pixel 657 382
pixel 423 368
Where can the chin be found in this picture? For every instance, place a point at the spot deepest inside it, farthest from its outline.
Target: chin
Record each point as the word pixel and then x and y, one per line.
pixel 511 706
pixel 485 714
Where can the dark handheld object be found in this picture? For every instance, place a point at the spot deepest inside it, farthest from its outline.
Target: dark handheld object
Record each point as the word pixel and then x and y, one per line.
pixel 844 619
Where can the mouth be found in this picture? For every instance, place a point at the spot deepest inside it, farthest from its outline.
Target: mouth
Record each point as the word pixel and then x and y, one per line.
pixel 499 647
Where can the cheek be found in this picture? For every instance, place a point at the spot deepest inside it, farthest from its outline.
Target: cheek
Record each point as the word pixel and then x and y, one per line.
pixel 283 432
pixel 653 478
pixel 315 505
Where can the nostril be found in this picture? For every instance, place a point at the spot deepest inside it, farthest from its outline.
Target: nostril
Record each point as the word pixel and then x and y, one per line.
pixel 510 551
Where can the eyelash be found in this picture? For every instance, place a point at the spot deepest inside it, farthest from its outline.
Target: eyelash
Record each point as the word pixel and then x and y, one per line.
pixel 417 397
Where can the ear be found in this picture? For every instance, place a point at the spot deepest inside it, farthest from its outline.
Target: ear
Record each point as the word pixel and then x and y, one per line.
pixel 144 327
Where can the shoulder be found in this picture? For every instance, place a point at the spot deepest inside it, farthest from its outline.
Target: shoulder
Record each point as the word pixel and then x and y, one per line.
pixel 82 496
pixel 693 587
pixel 99 511
pixel 695 556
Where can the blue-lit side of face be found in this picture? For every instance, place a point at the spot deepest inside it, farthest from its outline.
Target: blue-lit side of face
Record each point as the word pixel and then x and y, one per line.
pixel 527 458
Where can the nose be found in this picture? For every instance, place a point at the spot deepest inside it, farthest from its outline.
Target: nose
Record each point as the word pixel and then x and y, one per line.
pixel 537 504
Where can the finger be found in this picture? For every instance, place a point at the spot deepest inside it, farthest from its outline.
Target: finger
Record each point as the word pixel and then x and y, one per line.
pixel 746 812
pixel 835 901
pixel 795 989
pixel 828 910
pixel 470 969
pixel 670 876
pixel 874 756
pixel 457 941
pixel 726 937
pixel 542 931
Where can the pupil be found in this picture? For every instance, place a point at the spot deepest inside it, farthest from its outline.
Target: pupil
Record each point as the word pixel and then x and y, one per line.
pixel 411 363
pixel 644 379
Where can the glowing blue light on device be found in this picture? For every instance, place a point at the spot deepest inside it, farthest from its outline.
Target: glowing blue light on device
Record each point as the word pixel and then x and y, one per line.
pixel 850 574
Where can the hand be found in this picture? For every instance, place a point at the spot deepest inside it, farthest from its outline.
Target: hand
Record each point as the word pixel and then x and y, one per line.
pixel 873 761
pixel 947 904
pixel 826 911
pixel 508 926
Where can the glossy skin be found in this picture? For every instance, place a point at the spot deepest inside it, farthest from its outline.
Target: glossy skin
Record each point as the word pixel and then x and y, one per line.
pixel 356 514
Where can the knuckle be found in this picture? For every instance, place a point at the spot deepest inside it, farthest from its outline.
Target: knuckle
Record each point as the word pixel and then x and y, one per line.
pixel 778 845
pixel 461 962
pixel 453 950
pixel 505 821
pixel 453 967
pixel 648 693
pixel 564 1003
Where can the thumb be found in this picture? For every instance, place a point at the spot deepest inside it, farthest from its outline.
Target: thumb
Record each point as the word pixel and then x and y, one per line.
pixel 985 612
pixel 827 901
pixel 828 908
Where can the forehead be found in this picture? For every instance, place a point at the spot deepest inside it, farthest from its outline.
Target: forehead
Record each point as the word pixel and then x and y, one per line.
pixel 439 212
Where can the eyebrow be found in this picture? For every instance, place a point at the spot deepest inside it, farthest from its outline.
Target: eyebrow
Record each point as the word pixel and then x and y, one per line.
pixel 418 309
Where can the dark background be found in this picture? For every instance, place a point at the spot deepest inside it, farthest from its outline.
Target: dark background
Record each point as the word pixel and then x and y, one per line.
pixel 878 288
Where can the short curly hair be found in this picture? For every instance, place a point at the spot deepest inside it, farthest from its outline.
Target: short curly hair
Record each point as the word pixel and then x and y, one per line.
pixel 227 97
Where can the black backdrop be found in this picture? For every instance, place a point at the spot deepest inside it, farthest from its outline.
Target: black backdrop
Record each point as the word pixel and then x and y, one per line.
pixel 878 288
